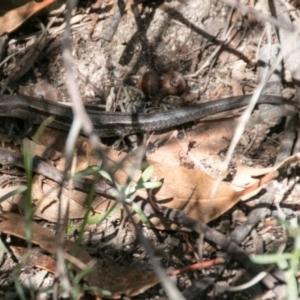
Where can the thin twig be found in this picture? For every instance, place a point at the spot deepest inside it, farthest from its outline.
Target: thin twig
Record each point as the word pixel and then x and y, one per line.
pixel 259 15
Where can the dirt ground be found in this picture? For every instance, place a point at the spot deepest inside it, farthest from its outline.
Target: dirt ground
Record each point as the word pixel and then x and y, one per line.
pixel 219 51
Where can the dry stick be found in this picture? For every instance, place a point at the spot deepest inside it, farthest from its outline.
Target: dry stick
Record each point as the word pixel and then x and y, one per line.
pixel 235 140
pixel 8 157
pixel 224 37
pixel 112 27
pixel 258 277
pixel 259 15
pixel 170 288
pixel 241 126
pixel 27 61
pixel 274 86
pixel 80 115
pixel 211 57
pixel 179 217
pixel 228 245
pixel 290 46
pixel 61 268
pixel 258 214
pixel 240 129
pixel 81 118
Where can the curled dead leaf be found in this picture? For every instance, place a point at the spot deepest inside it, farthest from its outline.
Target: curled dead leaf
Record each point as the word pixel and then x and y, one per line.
pixel 12 16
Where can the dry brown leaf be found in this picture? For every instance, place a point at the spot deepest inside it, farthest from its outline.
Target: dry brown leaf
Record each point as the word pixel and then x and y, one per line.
pixel 47 207
pixel 45 198
pixel 208 139
pixel 205 140
pixel 13 203
pixel 244 174
pixel 107 274
pixel 13 15
pixel 190 191
pixel 35 258
pixel 182 189
pixel 56 140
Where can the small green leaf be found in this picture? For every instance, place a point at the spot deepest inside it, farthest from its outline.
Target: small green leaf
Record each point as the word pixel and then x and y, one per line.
pixel 105 175
pixel 104 293
pixel 98 218
pixel 42 127
pixel 149 185
pixel 282 264
pixel 270 258
pixel 88 171
pixel 141 214
pixel 292 286
pixel 146 175
pixel 130 190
